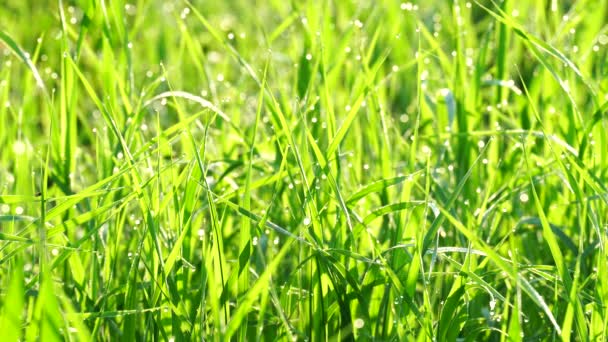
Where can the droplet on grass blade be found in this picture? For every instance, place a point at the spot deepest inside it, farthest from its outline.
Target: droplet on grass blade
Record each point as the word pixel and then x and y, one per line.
pixel 406 6
pixel 19 147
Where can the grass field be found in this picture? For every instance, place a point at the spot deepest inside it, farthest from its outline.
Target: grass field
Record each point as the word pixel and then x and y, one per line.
pixel 304 170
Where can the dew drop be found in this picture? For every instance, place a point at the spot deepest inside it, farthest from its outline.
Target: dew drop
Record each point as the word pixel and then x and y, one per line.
pixel 19 147
pixel 406 6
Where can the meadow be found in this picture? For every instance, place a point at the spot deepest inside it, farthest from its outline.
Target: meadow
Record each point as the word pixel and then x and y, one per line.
pixel 304 170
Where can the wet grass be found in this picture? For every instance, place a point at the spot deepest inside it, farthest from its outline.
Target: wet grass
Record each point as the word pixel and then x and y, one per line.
pixel 322 170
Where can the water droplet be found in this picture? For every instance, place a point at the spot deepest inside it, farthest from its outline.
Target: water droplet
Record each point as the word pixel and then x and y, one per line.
pixel 523 197
pixel 492 304
pixel 406 6
pixel 306 221
pixel 359 323
pixel 19 147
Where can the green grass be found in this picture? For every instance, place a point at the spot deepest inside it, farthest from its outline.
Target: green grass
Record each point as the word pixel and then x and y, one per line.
pixel 304 170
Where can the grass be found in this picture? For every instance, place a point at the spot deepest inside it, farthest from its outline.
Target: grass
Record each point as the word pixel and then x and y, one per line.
pixel 288 170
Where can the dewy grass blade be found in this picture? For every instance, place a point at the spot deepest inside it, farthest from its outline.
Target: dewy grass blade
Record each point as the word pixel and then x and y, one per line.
pixel 23 56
